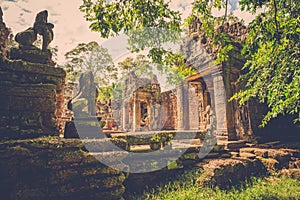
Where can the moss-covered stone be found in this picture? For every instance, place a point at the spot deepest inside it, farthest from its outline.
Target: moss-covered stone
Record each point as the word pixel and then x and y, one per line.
pixel 228 172
pixel 55 168
pixel 30 99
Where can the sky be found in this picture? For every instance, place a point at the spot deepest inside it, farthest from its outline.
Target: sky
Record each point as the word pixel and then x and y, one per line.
pixel 70 26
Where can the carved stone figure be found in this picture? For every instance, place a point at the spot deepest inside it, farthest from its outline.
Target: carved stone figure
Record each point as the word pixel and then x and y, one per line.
pixel 83 104
pixel 27 51
pixel 42 27
pixel 26 39
pixel 210 119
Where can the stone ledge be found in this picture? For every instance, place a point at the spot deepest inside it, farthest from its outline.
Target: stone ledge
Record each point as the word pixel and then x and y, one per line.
pixel 28 67
pixel 28 90
pixel 32 55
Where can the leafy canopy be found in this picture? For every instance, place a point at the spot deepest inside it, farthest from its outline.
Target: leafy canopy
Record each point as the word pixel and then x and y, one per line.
pixel 93 57
pixel 272 50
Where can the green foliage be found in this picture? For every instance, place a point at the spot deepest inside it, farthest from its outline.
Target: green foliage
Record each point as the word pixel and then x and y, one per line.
pixel 187 188
pixel 140 65
pixel 93 57
pixel 149 24
pixel 127 16
pixel 111 92
pixel 272 51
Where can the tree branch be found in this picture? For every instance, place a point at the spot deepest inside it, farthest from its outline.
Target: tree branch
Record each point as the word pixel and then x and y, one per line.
pixel 226 12
pixel 276 22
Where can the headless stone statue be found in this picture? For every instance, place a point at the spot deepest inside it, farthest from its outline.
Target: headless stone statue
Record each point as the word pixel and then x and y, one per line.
pixel 27 51
pixel 83 104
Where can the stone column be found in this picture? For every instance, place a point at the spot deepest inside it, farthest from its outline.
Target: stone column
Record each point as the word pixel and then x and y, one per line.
pixel 150 117
pixel 232 135
pixel 193 108
pixel 220 103
pixel 183 106
pixel 136 114
pixel 124 114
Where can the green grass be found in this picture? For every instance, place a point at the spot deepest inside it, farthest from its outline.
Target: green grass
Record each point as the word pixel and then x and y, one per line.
pixel 186 188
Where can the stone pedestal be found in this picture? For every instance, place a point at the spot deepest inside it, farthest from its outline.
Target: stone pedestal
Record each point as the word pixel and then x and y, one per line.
pixel 84 127
pixel 30 99
pixel 32 55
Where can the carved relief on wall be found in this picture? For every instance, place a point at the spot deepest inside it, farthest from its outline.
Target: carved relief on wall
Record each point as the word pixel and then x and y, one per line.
pixel 241 115
pixel 204 105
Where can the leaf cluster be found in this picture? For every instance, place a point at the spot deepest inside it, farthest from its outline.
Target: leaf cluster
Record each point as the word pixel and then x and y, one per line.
pixel 272 51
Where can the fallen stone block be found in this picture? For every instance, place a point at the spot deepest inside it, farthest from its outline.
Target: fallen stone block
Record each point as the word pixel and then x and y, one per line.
pixel 225 173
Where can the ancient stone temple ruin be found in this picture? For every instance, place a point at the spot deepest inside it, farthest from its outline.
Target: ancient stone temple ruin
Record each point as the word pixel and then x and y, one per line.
pixel 31 87
pixel 144 107
pixel 199 103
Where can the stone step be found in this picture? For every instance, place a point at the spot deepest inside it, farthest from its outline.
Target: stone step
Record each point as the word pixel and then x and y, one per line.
pixel 137 138
pixel 105 145
pixel 233 145
pixel 116 144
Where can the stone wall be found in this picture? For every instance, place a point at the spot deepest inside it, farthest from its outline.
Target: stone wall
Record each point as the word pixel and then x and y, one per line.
pixel 31 97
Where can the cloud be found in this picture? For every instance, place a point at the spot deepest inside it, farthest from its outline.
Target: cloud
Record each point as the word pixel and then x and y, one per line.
pixel 183 6
pixel 25 10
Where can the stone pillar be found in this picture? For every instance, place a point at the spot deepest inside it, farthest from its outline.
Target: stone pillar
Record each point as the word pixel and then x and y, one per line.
pixel 124 114
pixel 183 106
pixel 193 108
pixel 232 135
pixel 136 114
pixel 150 117
pixel 220 103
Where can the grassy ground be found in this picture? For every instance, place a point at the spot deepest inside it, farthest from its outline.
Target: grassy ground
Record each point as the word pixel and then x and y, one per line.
pixel 186 188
